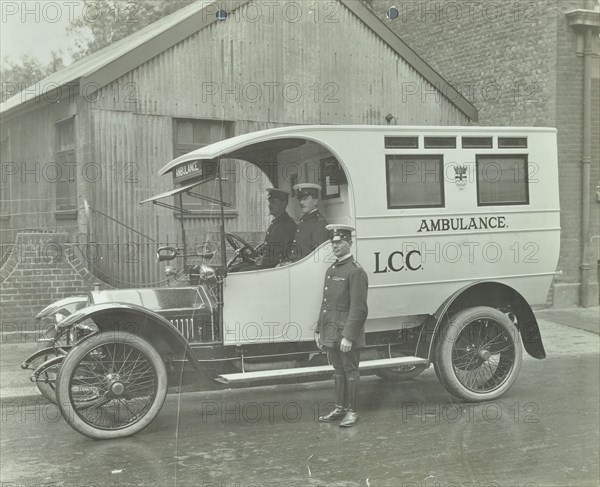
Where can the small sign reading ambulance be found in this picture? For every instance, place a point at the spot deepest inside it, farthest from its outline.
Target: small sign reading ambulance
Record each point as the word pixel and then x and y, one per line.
pixel 194 169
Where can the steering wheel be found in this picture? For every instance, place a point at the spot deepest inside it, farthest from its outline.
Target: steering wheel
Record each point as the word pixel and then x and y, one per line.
pixel 242 250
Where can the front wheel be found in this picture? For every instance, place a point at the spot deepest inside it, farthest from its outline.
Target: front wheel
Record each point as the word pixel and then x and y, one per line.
pixel 479 354
pixel 111 385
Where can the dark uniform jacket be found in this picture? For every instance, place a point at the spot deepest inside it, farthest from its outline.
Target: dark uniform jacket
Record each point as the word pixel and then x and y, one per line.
pixel 278 240
pixel 344 306
pixel 310 234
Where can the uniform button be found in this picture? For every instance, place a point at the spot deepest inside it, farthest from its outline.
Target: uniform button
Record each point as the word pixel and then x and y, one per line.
pixel 325 299
pixel 297 231
pixel 324 311
pixel 328 277
pixel 326 288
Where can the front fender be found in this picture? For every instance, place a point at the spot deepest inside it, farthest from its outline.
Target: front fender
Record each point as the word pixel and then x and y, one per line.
pixel 138 321
pixel 66 305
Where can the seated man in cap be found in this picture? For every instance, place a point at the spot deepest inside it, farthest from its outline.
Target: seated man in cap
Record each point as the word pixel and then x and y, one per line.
pixel 341 324
pixel 280 233
pixel 311 228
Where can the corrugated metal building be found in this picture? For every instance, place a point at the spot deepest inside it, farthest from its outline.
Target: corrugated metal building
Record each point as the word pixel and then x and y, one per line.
pixel 82 148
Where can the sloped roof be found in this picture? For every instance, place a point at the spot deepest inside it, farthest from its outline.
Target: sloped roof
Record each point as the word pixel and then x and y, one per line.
pixel 110 63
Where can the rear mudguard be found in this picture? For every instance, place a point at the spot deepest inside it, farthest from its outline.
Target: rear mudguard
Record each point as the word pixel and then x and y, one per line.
pixel 138 321
pixel 494 295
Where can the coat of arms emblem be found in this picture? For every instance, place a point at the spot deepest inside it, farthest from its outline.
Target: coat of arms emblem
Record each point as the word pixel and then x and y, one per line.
pixel 460 176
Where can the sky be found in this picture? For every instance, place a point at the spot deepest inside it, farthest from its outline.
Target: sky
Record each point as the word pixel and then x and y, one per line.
pixel 37 27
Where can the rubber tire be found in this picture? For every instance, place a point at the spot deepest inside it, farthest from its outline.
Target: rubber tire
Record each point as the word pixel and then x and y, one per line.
pixel 70 364
pixel 444 366
pixel 47 389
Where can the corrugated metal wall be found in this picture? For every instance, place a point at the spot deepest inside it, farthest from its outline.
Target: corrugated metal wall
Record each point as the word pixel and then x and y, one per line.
pixel 284 73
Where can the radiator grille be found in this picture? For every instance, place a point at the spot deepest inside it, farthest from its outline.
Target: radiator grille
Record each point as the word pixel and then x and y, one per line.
pixel 185 327
pixel 198 330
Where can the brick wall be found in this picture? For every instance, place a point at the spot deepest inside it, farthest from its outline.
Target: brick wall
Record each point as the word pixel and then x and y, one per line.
pixel 500 55
pixel 41 268
pixel 517 63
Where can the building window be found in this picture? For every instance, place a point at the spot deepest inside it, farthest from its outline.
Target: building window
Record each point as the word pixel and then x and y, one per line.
pixel 5 182
pixel 190 135
pixel 66 177
pixel 415 181
pixel 502 180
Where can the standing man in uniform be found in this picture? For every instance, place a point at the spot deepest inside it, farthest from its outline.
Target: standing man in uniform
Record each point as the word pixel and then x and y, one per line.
pixel 312 230
pixel 341 324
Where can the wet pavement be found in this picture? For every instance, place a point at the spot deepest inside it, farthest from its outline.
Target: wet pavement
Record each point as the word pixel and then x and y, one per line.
pixel 543 432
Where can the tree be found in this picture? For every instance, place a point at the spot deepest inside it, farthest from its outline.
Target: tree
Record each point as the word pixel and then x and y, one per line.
pixel 16 76
pixel 101 23
pixel 104 22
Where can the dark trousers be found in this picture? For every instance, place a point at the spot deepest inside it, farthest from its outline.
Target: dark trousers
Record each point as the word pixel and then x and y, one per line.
pixel 346 376
pixel 344 363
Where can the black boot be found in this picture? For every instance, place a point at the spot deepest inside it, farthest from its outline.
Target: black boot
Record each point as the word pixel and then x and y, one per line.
pixel 351 417
pixel 339 411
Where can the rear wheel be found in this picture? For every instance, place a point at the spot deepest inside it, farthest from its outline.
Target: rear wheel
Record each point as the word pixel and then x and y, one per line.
pixel 111 385
pixel 479 354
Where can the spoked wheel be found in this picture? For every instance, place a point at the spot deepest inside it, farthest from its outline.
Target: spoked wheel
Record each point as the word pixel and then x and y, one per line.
pixel 479 354
pixel 112 385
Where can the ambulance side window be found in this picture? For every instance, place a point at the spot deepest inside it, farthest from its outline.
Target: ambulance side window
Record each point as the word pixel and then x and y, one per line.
pixel 502 180
pixel 414 181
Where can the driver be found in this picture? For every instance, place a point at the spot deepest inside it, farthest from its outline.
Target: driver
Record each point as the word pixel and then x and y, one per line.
pixel 280 233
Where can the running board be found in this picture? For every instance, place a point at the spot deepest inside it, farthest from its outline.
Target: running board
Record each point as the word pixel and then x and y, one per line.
pixel 313 371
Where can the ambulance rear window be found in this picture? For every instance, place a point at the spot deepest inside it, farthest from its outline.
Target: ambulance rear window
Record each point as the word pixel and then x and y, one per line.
pixel 415 181
pixel 502 180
